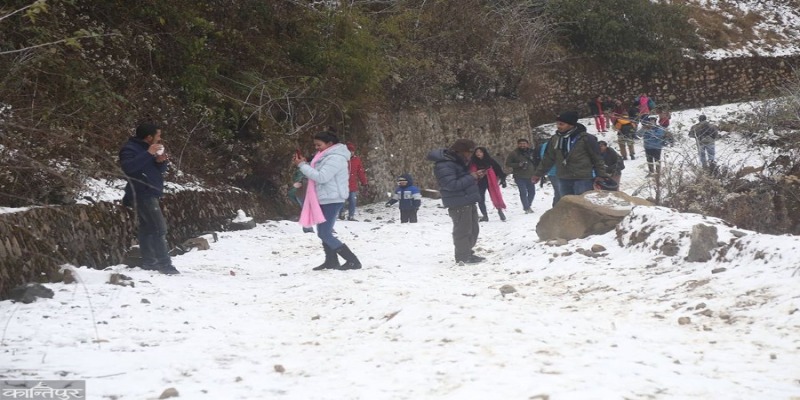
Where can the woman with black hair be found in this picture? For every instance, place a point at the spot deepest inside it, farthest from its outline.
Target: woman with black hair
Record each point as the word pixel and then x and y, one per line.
pixel 492 180
pixel 328 187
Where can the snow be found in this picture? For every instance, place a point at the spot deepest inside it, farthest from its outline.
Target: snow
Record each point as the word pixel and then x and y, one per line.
pixel 241 217
pixel 411 324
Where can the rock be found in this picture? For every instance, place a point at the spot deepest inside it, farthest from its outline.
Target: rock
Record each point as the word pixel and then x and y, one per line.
pixel 705 313
pixel 700 306
pixel 589 253
pixel 198 243
pixel 738 233
pixel 279 368
pixel 145 301
pixel 170 392
pixel 598 248
pixel 703 241
pixel 718 270
pixel 430 193
pixel 684 321
pixel 773 356
pixel 242 226
pixel 507 289
pixel 28 293
pixel 557 242
pixel 69 278
pixel 592 213
pixel 120 280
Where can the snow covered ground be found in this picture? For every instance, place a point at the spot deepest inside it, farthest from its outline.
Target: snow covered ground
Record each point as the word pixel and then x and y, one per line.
pixel 248 319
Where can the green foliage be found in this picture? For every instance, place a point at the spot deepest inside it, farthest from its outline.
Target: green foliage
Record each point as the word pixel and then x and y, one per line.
pixel 625 34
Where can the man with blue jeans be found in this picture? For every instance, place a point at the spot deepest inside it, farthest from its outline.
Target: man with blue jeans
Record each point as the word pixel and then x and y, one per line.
pixel 706 135
pixel 576 156
pixel 144 162
pixel 523 161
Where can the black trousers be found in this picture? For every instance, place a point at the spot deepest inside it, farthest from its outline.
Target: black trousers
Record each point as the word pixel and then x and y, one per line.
pixel 465 229
pixel 409 215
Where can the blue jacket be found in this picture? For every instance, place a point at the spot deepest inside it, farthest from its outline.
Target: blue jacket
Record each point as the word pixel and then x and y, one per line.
pixel 542 149
pixel 409 196
pixel 457 186
pixel 144 174
pixel 654 138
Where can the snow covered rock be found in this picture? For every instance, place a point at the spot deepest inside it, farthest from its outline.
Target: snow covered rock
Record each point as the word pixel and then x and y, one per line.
pixel 28 293
pixel 241 222
pixel 592 213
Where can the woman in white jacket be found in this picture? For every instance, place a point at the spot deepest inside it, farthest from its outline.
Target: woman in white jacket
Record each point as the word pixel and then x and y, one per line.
pixel 328 188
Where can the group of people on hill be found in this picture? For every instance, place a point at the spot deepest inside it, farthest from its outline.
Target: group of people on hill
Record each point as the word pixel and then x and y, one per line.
pixel 573 160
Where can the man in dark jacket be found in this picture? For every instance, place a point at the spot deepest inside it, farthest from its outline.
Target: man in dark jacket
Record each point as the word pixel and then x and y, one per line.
pixel 523 161
pixel 143 161
pixel 459 189
pixel 575 154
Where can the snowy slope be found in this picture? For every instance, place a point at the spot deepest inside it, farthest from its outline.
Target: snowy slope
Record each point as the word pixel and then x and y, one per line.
pixel 413 325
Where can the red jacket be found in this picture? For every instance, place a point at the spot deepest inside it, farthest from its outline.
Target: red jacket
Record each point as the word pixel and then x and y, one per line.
pixel 357 173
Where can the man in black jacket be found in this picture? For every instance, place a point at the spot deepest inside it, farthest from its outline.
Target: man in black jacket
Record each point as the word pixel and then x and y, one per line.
pixel 143 161
pixel 459 189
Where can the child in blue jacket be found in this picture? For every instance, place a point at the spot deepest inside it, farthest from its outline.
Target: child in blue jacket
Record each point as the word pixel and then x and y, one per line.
pixel 409 197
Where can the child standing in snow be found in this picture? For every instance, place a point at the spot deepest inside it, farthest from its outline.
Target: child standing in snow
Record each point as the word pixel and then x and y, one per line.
pixel 409 197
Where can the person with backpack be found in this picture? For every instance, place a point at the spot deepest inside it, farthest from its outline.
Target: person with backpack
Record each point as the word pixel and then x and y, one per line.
pixel 626 134
pixel 613 161
pixel 551 174
pixel 522 162
pixel 408 196
pixel 705 133
pixel 655 138
pixel 575 154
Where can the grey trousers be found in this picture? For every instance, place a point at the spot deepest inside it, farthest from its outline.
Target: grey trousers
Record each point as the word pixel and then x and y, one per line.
pixel 465 229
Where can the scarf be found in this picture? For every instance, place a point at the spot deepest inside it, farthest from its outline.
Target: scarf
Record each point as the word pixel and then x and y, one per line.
pixel 494 187
pixel 566 141
pixel 312 212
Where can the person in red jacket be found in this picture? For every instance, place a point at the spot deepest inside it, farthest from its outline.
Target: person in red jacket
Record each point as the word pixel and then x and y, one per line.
pixel 357 175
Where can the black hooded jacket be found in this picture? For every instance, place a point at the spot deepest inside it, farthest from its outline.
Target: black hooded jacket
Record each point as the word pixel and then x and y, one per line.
pixel 456 184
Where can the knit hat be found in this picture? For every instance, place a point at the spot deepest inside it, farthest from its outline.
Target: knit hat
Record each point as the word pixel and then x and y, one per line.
pixel 461 145
pixel 701 118
pixel 568 117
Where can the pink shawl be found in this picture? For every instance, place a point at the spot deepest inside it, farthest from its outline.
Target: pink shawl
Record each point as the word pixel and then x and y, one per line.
pixel 312 212
pixel 494 187
pixel 644 107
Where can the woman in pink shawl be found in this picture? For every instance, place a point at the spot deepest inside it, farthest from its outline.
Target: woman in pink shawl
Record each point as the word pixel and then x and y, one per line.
pixel 494 178
pixel 328 187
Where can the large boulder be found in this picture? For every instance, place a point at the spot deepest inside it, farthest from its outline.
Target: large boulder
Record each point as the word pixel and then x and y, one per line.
pixel 592 213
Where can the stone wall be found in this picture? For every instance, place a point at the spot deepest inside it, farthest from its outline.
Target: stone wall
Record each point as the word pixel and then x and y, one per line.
pixel 35 243
pixel 399 141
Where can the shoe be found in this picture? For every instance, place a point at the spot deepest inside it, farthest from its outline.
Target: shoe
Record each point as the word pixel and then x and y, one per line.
pixel 352 219
pixel 331 260
pixel 502 216
pixel 308 230
pixel 150 267
pixel 472 259
pixel 351 259
pixel 341 217
pixel 484 218
pixel 625 158
pixel 528 211
pixel 169 270
pixel 632 157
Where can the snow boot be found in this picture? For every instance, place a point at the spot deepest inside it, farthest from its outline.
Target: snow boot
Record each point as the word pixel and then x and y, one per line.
pixel 351 261
pixel 331 261
pixel 484 218
pixel 502 216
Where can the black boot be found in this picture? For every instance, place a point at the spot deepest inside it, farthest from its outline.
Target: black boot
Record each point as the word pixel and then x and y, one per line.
pixel 331 260
pixel 351 259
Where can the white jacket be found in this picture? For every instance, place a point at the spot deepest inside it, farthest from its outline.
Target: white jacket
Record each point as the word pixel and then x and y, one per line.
pixel 330 175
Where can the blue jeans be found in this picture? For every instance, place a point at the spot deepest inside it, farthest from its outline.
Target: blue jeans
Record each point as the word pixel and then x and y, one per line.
pixel 351 204
pixel 152 233
pixel 556 188
pixel 325 229
pixel 527 191
pixel 707 152
pixel 574 186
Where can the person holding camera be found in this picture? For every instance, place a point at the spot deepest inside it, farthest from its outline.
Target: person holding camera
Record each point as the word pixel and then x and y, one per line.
pixel 522 162
pixel 144 161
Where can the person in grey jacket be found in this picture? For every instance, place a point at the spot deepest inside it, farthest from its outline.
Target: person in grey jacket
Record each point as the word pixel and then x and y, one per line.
pixel 328 171
pixel 706 135
pixel 459 189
